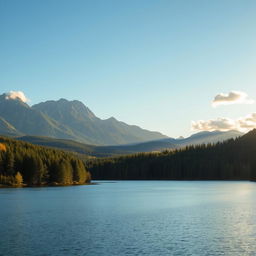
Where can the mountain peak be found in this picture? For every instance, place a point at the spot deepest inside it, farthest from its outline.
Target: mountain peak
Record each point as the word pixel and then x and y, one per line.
pixel 66 119
pixel 15 96
pixel 6 99
pixel 62 100
pixel 111 119
pixel 64 110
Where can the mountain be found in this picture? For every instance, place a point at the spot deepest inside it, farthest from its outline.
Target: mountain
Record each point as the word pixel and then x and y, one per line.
pixel 8 129
pixel 23 119
pixel 208 137
pixel 98 151
pixel 92 129
pixel 168 143
pixel 171 143
pixel 229 160
pixel 65 119
pixel 150 146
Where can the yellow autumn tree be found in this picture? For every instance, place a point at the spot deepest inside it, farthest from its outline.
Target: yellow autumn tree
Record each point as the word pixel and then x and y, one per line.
pixel 18 178
pixel 2 147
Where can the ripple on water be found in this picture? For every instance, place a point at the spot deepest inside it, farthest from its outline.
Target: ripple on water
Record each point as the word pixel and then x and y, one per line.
pixel 130 218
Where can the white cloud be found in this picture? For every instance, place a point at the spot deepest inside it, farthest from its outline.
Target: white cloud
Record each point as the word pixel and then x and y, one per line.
pixel 248 122
pixel 242 124
pixel 234 97
pixel 221 124
pixel 13 95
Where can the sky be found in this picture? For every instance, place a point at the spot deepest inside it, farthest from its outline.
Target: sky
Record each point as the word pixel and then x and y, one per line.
pixel 177 67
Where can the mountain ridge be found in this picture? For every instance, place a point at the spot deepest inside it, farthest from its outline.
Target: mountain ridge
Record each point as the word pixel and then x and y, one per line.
pixel 232 159
pixel 149 146
pixel 65 119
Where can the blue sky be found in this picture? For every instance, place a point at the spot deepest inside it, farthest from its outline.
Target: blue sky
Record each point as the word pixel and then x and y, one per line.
pixel 157 64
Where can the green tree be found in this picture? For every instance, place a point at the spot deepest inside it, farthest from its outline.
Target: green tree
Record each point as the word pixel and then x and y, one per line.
pixel 9 163
pixel 38 165
pixel 34 170
pixel 64 173
pixel 80 175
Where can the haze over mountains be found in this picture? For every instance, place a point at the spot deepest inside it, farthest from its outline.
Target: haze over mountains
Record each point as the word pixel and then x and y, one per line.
pixel 65 119
pixel 229 160
pixel 149 146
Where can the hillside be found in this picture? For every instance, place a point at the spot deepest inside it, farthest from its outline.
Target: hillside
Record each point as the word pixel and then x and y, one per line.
pixel 91 129
pixel 150 146
pixel 230 160
pixel 65 119
pixel 208 137
pixel 98 151
pixel 23 163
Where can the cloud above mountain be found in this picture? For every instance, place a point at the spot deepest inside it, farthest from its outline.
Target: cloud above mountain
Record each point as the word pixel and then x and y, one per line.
pixel 13 95
pixel 242 124
pixel 249 122
pixel 221 124
pixel 233 97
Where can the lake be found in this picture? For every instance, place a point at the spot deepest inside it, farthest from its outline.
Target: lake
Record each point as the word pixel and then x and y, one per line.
pixel 130 218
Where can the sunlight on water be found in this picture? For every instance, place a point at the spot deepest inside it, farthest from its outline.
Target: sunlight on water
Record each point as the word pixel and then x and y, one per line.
pixel 244 190
pixel 130 218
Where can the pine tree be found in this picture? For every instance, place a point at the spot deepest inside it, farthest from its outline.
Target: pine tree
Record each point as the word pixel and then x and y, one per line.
pixel 79 172
pixel 9 163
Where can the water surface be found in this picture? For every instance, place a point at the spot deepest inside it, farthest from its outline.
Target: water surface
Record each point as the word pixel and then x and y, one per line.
pixel 130 218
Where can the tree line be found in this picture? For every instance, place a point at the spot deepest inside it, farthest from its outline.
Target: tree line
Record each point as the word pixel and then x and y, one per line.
pixel 234 159
pixel 23 163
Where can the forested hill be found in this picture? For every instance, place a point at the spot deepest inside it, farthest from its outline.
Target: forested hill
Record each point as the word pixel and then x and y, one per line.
pixel 149 146
pixel 234 159
pixel 22 163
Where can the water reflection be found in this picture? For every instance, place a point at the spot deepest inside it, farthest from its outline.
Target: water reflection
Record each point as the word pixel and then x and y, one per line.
pixel 130 218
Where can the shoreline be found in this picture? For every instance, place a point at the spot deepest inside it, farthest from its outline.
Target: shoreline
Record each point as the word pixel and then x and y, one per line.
pixel 47 185
pixel 98 181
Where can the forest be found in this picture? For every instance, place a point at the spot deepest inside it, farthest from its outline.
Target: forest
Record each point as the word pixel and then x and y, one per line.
pixel 24 164
pixel 234 159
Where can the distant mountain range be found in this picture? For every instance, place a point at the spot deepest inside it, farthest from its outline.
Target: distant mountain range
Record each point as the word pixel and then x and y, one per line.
pixel 228 160
pixel 208 137
pixel 150 146
pixel 65 119
pixel 73 126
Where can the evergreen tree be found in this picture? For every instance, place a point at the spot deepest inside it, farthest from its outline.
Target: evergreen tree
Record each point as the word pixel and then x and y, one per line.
pixel 9 163
pixel 79 172
pixel 38 165
pixel 64 173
